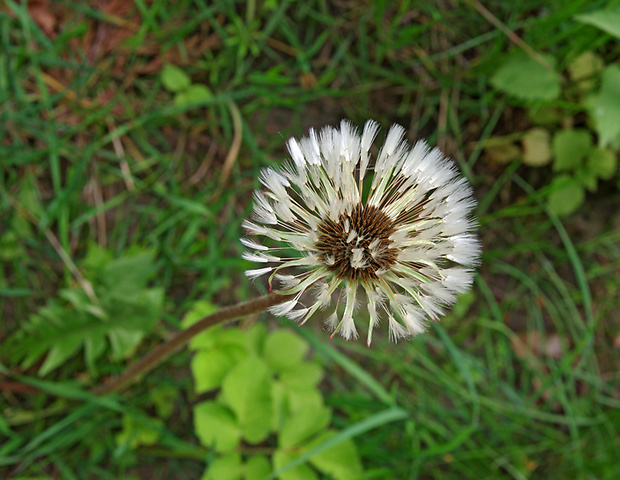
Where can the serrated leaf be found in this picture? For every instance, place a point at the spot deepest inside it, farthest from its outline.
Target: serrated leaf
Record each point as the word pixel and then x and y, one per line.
pixel 567 195
pixel 606 110
pixel 247 391
pixel 72 321
pixel 174 79
pixel 283 349
pixel 215 425
pixel 60 352
pixel 536 147
pixel 300 472
pixel 301 425
pixel 570 148
pixel 126 277
pixel 341 461
pixel 525 78
pixel 227 467
pixel 603 163
pixel 607 19
pixel 209 367
pixel 257 467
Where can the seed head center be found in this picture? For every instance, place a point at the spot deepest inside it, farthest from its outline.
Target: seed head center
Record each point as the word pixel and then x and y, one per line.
pixel 357 245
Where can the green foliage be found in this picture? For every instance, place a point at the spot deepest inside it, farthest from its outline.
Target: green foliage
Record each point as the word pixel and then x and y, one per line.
pixel 185 93
pixel 607 20
pixel 267 388
pixel 606 110
pixel 571 151
pixel 527 79
pixel 119 312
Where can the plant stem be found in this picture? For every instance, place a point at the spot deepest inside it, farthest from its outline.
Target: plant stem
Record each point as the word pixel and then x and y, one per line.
pixel 161 353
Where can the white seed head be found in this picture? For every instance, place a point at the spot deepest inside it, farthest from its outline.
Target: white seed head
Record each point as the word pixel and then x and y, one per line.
pixel 402 243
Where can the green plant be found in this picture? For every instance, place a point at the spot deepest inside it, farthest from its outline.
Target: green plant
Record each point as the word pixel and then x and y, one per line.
pixel 558 137
pixel 268 410
pixel 112 308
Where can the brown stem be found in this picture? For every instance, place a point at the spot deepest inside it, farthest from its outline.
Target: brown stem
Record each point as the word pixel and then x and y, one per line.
pixel 161 353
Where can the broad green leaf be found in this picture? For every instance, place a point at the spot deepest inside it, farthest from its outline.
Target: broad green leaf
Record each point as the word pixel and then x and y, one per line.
pixel 215 424
pixel 210 366
pixel 341 461
pixel 302 375
pixel 570 148
pixel 193 95
pixel 567 195
pixel 284 349
pixel 257 467
pixel 200 310
pixel 536 147
pixel 255 337
pixel 607 19
pixel 228 467
pixel 247 391
pixel 301 425
pixel 174 79
pixel 300 472
pixel 606 110
pixel 525 78
pixel 604 163
pixel 300 398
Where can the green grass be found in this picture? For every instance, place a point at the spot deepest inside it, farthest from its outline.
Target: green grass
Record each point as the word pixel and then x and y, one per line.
pixel 520 381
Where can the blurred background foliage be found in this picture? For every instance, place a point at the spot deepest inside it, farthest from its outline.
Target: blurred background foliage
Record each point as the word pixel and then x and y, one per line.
pixel 132 134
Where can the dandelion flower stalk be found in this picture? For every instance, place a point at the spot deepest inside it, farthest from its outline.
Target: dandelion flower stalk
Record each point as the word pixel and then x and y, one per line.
pixel 341 229
pixel 391 235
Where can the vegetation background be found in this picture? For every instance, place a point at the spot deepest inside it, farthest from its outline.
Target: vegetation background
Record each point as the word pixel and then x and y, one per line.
pixel 131 137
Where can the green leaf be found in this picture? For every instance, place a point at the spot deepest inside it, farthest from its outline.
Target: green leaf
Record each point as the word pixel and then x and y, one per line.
pixel 567 195
pixel 73 319
pixel 228 467
pixel 210 366
pixel 570 148
pixel 536 147
pixel 174 79
pixel 201 309
pixel 523 77
pixel 606 111
pixel 195 94
pixel 584 68
pixel 247 391
pixel 302 397
pixel 302 425
pixel 300 472
pixel 607 20
pixel 215 425
pixel 60 352
pixel 603 163
pixel 257 467
pixel 302 375
pixel 341 461
pixel 284 349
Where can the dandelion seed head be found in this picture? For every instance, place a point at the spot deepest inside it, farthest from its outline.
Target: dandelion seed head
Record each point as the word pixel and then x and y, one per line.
pixel 391 237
